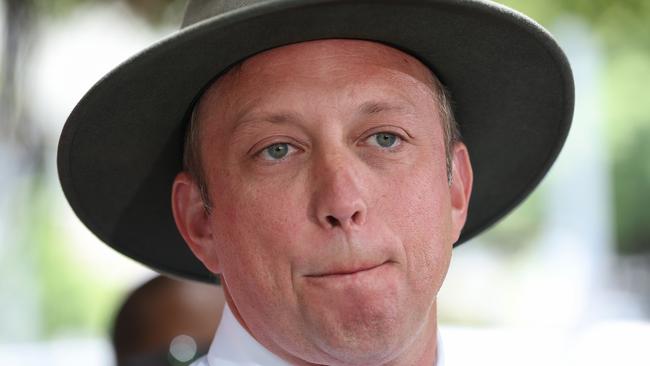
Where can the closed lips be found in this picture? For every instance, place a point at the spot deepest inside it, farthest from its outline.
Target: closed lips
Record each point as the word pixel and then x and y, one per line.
pixel 346 271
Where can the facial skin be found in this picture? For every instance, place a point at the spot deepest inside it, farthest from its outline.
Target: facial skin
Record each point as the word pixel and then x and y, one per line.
pixel 332 218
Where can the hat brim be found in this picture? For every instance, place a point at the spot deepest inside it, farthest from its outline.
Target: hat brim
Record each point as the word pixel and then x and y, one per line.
pixel 122 145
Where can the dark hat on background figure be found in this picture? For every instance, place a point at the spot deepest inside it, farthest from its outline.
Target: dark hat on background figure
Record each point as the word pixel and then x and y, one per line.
pixel 122 145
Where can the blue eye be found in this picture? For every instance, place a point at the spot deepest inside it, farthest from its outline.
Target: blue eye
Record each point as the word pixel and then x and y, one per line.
pixel 385 139
pixel 276 151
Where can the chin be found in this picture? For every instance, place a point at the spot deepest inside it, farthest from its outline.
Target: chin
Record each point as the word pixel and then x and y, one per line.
pixel 361 352
pixel 370 336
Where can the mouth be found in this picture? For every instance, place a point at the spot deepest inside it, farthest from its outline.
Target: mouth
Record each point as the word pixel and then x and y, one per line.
pixel 346 271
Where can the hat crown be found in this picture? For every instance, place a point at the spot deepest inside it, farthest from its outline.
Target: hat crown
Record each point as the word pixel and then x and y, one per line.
pixel 198 10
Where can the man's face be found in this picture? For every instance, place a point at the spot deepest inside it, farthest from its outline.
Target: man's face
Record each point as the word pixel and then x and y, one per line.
pixel 332 218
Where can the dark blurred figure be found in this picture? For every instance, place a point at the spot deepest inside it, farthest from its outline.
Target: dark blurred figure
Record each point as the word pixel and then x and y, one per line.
pixel 166 322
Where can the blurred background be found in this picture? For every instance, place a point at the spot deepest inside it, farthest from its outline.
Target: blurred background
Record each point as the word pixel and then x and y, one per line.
pixel 564 279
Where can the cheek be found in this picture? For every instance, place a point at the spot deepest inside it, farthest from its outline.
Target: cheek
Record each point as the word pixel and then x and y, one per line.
pixel 256 246
pixel 422 218
pixel 253 226
pixel 246 206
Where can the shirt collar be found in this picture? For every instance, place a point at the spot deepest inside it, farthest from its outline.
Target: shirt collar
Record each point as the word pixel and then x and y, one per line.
pixel 233 345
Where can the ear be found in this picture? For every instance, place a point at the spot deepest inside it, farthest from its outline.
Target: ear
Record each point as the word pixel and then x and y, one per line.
pixel 193 221
pixel 460 187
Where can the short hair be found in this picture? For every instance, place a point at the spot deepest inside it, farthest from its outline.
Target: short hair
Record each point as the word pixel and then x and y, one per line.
pixel 193 164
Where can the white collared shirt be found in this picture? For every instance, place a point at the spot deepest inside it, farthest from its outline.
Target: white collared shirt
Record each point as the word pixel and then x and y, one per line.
pixel 234 346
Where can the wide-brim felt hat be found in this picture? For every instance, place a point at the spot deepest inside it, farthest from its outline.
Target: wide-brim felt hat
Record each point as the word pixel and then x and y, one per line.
pixel 122 145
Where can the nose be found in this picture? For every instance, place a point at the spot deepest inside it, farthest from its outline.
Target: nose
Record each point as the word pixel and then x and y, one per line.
pixel 337 197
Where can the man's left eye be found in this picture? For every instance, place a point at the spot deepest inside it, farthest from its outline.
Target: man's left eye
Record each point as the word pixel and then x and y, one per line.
pixel 384 140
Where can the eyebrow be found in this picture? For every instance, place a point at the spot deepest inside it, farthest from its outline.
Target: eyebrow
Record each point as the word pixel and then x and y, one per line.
pixel 368 108
pixel 279 118
pixel 377 107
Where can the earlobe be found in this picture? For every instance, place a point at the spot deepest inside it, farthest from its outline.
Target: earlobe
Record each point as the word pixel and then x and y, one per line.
pixel 192 220
pixel 460 187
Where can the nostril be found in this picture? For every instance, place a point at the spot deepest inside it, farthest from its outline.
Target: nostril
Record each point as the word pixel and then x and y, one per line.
pixel 333 221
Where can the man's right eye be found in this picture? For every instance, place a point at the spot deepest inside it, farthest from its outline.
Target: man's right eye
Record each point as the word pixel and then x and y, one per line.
pixel 277 151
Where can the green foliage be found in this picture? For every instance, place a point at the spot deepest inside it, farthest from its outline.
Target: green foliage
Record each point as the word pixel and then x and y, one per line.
pixel 155 11
pixel 627 96
pixel 59 7
pixel 632 193
pixel 627 91
pixel 515 233
pixel 73 298
pixel 618 23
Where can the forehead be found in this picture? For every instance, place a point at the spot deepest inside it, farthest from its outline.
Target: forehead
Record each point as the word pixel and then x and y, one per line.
pixel 323 59
pixel 336 52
